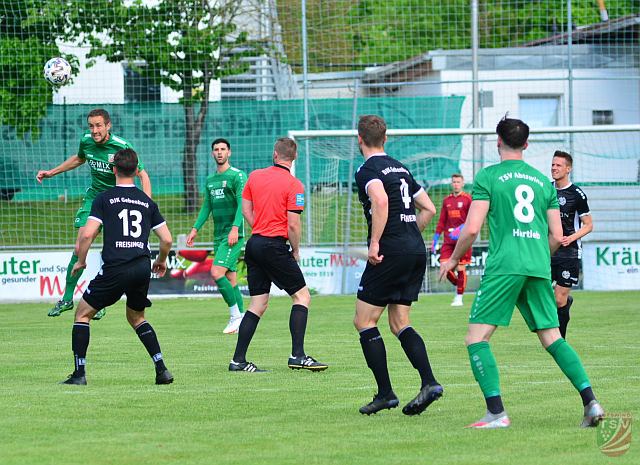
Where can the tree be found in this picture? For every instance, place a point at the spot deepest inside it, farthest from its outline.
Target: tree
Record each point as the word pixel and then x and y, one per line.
pixel 182 44
pixel 24 49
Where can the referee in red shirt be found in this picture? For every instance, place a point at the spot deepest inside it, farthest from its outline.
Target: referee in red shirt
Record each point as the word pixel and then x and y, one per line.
pixel 272 202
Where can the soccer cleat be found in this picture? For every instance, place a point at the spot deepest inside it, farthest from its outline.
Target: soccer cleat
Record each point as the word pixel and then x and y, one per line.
pixel 427 395
pixel 61 306
pixel 99 314
pixel 233 325
pixel 380 403
pixel 593 413
pixel 306 363
pixel 492 421
pixel 457 301
pixel 164 377
pixel 78 380
pixel 244 366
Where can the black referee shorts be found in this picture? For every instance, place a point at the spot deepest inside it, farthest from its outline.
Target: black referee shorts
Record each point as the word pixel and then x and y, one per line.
pixel 111 283
pixel 269 260
pixel 396 280
pixel 565 271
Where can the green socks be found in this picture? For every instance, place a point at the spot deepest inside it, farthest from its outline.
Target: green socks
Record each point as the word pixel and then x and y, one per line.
pixel 225 288
pixel 485 369
pixel 239 302
pixel 71 280
pixel 569 363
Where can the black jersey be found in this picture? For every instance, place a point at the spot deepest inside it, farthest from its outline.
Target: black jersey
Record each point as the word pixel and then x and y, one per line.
pixel 573 205
pixel 401 234
pixel 127 216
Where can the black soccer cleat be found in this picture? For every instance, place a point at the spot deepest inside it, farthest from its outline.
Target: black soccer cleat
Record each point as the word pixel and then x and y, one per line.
pixel 164 377
pixel 427 395
pixel 306 363
pixel 249 367
pixel 380 403
pixel 78 380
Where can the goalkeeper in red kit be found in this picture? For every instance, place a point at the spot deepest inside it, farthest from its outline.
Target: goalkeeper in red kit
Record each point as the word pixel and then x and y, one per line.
pixel 455 208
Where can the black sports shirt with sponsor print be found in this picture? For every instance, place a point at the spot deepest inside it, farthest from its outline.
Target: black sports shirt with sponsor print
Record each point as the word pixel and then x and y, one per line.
pixel 573 205
pixel 127 216
pixel 401 234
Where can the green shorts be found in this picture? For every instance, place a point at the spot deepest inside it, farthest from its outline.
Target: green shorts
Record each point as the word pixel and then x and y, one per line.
pixel 498 295
pixel 83 212
pixel 226 256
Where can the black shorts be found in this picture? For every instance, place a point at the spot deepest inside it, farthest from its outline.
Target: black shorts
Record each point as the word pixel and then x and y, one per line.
pixel 396 280
pixel 110 284
pixel 565 271
pixel 269 260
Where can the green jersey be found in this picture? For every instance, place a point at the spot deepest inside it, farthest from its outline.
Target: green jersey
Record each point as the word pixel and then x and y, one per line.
pixel 223 199
pixel 100 160
pixel 519 197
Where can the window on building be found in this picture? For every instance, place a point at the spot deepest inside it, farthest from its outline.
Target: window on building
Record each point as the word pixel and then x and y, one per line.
pixel 600 117
pixel 540 110
pixel 138 88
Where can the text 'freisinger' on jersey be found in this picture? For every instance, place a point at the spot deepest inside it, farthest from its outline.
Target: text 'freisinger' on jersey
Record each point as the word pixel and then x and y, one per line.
pixel 129 245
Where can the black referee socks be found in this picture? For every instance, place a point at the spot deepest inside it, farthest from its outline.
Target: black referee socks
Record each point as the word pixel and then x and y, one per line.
pixel 298 326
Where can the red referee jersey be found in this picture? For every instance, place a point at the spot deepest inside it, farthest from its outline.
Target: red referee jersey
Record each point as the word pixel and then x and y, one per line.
pixel 273 191
pixel 454 213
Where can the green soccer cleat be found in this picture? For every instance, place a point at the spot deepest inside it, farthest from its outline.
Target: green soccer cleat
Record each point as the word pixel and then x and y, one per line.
pixel 61 306
pixel 99 314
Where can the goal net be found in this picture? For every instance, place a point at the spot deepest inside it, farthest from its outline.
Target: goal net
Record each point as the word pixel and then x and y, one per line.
pixel 606 166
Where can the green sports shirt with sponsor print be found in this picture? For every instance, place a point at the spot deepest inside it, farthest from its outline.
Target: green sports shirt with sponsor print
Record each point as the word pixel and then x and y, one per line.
pixel 99 157
pixel 519 197
pixel 223 200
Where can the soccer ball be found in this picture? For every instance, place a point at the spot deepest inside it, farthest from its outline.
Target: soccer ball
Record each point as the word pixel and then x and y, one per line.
pixel 57 71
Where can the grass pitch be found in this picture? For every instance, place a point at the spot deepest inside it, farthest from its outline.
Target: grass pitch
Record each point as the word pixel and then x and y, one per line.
pixel 211 416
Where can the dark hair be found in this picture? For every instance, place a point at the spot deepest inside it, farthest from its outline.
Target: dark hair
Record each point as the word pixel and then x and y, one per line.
pixel 100 112
pixel 286 148
pixel 565 155
pixel 372 129
pixel 513 132
pixel 457 175
pixel 221 140
pixel 126 161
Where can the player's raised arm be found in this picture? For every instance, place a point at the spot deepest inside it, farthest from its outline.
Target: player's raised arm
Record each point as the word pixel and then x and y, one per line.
pixel 426 209
pixel 69 164
pixel 145 181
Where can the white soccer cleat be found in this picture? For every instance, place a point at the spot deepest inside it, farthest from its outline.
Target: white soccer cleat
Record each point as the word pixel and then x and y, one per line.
pixel 457 301
pixel 233 325
pixel 492 421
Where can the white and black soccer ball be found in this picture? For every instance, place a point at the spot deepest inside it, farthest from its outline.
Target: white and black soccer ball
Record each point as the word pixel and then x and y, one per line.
pixel 57 71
